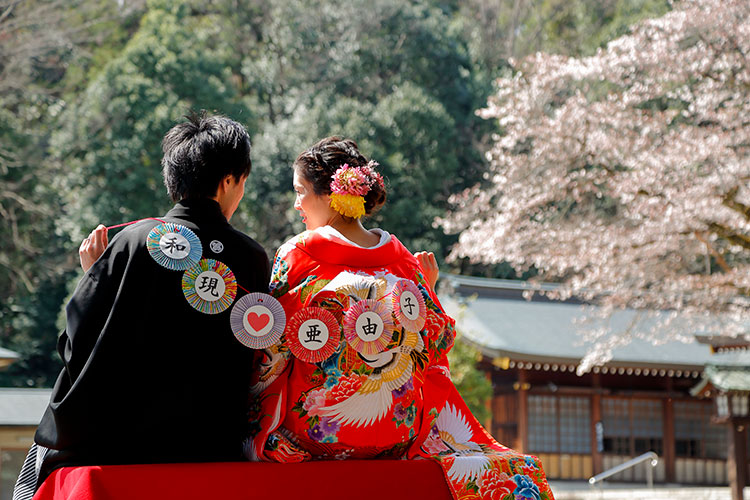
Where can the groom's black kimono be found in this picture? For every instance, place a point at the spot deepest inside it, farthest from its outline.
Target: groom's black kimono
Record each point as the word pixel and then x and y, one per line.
pixel 147 377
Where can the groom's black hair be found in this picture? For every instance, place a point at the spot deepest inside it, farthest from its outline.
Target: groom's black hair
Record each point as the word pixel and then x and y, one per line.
pixel 200 152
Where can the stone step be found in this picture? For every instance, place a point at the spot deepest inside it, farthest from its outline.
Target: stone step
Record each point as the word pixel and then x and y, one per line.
pixel 563 491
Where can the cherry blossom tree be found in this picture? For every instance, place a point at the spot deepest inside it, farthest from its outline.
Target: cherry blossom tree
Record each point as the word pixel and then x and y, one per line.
pixel 624 175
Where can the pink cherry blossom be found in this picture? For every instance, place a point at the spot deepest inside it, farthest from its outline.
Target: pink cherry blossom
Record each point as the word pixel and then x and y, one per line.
pixel 625 175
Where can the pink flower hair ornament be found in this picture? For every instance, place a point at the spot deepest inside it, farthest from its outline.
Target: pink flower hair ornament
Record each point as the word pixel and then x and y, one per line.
pixel 349 185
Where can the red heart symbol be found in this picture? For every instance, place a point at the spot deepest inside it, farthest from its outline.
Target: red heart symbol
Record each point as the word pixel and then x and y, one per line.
pixel 258 321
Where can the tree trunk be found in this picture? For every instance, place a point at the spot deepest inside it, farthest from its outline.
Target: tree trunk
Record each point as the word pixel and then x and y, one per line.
pixel 737 459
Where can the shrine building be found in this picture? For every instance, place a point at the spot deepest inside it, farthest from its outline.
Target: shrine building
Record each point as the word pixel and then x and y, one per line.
pixel 583 424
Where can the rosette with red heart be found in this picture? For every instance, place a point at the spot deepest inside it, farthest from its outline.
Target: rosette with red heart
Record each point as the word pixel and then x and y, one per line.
pixel 257 320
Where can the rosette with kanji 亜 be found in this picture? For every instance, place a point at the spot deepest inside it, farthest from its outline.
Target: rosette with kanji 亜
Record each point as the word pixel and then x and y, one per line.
pixel 368 326
pixel 209 286
pixel 313 334
pixel 173 246
pixel 257 320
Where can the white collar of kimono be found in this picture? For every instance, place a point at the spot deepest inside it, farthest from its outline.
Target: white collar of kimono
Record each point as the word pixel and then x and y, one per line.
pixel 330 232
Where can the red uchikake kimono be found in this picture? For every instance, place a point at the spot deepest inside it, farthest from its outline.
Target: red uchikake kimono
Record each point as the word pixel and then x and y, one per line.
pixel 352 395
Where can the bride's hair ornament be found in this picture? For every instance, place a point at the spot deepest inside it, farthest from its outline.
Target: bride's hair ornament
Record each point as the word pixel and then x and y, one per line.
pixel 349 185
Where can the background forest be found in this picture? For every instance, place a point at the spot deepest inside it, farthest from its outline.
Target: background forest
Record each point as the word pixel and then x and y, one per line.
pixel 88 88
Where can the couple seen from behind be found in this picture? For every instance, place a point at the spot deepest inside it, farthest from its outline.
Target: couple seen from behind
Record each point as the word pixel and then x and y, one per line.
pixel 177 348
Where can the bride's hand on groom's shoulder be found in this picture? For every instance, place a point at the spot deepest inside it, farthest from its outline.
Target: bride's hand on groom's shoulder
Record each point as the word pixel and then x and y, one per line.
pixel 93 247
pixel 429 267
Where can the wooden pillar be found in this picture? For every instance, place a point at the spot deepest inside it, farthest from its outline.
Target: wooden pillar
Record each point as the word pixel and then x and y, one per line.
pixel 669 441
pixel 523 412
pixel 737 459
pixel 597 457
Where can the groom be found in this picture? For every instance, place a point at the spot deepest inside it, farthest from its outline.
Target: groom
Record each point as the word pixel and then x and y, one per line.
pixel 152 372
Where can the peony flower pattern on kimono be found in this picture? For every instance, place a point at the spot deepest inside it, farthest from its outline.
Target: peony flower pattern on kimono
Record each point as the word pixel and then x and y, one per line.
pixel 324 430
pixel 405 415
pixel 405 411
pixel 526 488
pixel 314 402
pixel 495 485
pixel 408 386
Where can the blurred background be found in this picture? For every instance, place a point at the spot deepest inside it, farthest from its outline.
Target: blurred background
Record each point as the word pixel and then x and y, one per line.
pixel 88 89
pixel 579 151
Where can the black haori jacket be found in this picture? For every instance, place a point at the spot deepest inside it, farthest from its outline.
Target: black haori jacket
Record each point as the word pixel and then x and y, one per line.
pixel 149 378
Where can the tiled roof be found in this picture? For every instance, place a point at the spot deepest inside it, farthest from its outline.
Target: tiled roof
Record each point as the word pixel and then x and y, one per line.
pixel 727 372
pixel 7 354
pixel 22 406
pixel 728 379
pixel 493 315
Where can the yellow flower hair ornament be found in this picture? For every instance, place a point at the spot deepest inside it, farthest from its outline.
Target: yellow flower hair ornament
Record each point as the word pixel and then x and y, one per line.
pixel 349 187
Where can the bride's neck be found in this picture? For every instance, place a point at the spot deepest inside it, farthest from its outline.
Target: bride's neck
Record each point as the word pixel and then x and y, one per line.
pixel 354 231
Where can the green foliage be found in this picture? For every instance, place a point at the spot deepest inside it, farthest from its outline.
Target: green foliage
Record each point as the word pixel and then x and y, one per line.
pixel 395 77
pixel 41 39
pixel 109 142
pixel 473 385
pixel 496 30
pixel 579 28
pixel 32 252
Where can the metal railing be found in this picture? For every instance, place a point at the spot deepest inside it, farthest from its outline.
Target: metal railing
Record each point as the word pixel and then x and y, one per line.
pixel 650 455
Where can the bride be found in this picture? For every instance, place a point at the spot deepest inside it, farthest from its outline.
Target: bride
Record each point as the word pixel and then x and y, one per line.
pixel 361 371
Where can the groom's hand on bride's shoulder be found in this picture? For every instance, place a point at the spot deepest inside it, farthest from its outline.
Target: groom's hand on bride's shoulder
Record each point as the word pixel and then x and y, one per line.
pixel 429 267
pixel 93 247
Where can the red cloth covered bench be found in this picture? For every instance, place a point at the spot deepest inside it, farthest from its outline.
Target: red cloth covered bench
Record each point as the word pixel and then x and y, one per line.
pixel 358 479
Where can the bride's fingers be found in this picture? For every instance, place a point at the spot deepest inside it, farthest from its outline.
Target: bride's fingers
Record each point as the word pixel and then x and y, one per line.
pixel 428 262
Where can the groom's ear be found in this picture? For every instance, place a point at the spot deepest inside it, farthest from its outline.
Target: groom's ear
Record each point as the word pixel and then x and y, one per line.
pixel 223 185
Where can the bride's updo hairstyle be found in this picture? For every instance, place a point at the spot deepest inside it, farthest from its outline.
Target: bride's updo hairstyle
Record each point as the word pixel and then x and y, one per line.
pixel 318 164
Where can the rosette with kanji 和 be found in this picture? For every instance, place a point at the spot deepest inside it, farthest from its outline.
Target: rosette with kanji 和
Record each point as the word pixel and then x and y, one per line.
pixel 173 246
